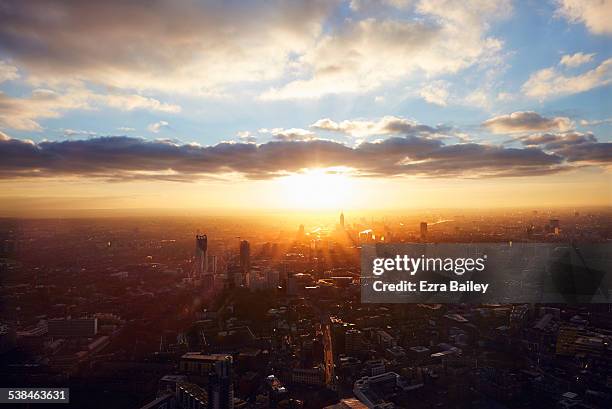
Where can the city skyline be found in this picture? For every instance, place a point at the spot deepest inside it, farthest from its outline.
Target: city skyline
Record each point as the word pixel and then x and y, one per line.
pixel 304 106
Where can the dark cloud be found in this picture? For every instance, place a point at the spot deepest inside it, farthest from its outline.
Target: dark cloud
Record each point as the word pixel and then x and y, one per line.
pixel 553 141
pixel 526 121
pixel 387 125
pixel 573 146
pixel 126 158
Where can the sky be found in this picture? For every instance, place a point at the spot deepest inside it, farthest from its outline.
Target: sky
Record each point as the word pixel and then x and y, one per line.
pixel 304 105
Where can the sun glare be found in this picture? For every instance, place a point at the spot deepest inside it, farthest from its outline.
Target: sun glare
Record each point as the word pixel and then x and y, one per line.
pixel 329 188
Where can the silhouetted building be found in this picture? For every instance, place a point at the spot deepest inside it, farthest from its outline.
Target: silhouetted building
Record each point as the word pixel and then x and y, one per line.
pixel 220 387
pixel 423 230
pixel 201 255
pixel 245 255
pixel 342 220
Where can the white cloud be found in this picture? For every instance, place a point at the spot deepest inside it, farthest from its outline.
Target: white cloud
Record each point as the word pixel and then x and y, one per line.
pixel 446 37
pixel 576 60
pixel 505 96
pixel 596 122
pixel 78 132
pixel 478 98
pixel 125 129
pixel 24 113
pixel 7 72
pixel 157 126
pixel 549 82
pixel 133 101
pixel 435 93
pixel 246 136
pixel 595 14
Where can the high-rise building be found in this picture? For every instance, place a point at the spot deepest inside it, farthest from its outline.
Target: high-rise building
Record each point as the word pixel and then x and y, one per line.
pixel 301 234
pixel 423 230
pixel 220 386
pixel 201 255
pixel 342 220
pixel 245 255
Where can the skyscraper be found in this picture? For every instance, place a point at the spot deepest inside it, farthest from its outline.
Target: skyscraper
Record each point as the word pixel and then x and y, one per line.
pixel 342 220
pixel 423 230
pixel 201 255
pixel 245 255
pixel 220 387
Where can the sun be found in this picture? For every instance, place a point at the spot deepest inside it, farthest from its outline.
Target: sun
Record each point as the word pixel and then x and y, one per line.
pixel 329 188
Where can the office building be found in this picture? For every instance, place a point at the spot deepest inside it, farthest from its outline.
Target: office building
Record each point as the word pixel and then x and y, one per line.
pixel 423 230
pixel 201 255
pixel 245 255
pixel 220 386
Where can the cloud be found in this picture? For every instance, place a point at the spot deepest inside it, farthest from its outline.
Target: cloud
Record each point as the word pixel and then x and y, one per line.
pixel 549 82
pixel 594 14
pixel 387 125
pixel 573 146
pixel 131 102
pixel 291 134
pixel 373 5
pixel 478 98
pixel 435 93
pixel 576 60
pixel 24 113
pixel 174 46
pixel 125 129
pixel 246 136
pixel 7 72
pixel 157 126
pixel 210 48
pixel 361 55
pixel 78 132
pixel 526 121
pixel 596 122
pixel 554 140
pixel 122 158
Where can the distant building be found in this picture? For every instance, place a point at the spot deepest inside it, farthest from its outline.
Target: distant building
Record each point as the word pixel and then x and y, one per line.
pixel 342 220
pixel 201 255
pixel 423 230
pixel 218 370
pixel 572 340
pixel 375 367
pixel 354 342
pixel 245 255
pixel 197 363
pixel 371 390
pixel 73 328
pixel 220 384
pixel 301 234
pixel 308 376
